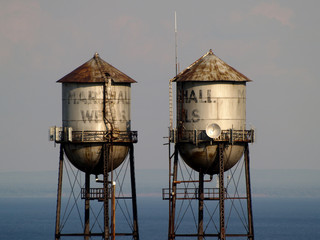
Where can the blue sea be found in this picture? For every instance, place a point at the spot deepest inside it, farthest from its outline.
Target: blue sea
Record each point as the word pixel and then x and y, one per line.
pixel 274 218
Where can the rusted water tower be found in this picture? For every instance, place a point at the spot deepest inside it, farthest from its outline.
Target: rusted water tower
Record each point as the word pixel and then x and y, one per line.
pixel 211 138
pixel 96 137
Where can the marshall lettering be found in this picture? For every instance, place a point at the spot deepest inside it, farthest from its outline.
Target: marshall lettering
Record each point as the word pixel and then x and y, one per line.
pixel 93 97
pixel 200 96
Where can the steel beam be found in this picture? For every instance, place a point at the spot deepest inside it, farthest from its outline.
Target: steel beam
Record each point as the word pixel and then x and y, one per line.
pixel 200 210
pixel 248 189
pixel 59 191
pixel 87 207
pixel 208 194
pixel 106 148
pixel 173 195
pixel 222 234
pixel 134 195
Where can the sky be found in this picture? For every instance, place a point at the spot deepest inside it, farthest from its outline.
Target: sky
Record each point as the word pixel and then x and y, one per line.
pixel 275 43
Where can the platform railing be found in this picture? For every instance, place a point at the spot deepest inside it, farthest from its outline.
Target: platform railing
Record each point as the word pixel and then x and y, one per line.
pixel 192 193
pixel 198 136
pixel 63 135
pixel 98 194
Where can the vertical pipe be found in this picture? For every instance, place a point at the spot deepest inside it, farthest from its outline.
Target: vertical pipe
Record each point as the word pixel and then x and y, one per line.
pixel 134 195
pixel 222 233
pixel 113 199
pixel 200 198
pixel 113 211
pixel 87 207
pixel 170 175
pixel 58 209
pixel 248 189
pixel 173 194
pixel 106 190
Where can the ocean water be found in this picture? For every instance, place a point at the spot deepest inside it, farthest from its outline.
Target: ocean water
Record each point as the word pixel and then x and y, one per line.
pixel 274 218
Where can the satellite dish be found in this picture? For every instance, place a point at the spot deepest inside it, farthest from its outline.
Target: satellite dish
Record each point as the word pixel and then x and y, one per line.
pixel 213 130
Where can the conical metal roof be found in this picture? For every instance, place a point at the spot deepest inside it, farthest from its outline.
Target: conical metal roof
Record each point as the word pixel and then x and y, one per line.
pixel 210 68
pixel 96 70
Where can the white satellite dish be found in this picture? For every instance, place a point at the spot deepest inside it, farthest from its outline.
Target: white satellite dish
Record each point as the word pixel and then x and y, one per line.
pixel 213 130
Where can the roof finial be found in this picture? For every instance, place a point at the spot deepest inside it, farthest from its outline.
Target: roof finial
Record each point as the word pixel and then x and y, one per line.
pixel 96 55
pixel 210 51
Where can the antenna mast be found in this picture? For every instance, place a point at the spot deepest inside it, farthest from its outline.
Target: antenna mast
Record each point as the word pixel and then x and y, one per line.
pixel 175 37
pixel 176 63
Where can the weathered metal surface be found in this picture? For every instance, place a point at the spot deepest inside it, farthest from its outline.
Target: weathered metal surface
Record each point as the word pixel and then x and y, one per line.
pixel 87 157
pixel 204 156
pixel 96 97
pixel 82 106
pixel 210 68
pixel 93 71
pixel 83 110
pixel 210 92
pixel 203 103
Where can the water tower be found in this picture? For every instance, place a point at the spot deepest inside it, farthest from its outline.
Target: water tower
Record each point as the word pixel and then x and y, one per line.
pixel 211 138
pixel 96 137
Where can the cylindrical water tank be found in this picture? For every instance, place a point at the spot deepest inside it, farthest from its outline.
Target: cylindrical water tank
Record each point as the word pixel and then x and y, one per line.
pixel 210 92
pixel 95 98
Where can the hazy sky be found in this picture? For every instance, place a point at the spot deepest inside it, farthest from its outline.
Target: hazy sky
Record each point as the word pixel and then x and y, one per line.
pixel 274 43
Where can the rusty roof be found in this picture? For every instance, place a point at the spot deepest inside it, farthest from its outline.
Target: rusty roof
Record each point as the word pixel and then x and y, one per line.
pixel 210 68
pixel 96 70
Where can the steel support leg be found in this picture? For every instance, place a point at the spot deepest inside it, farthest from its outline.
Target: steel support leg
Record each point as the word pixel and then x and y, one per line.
pixel 200 215
pixel 58 209
pixel 248 189
pixel 113 215
pixel 106 191
pixel 87 207
pixel 222 234
pixel 172 197
pixel 134 195
pixel 170 165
